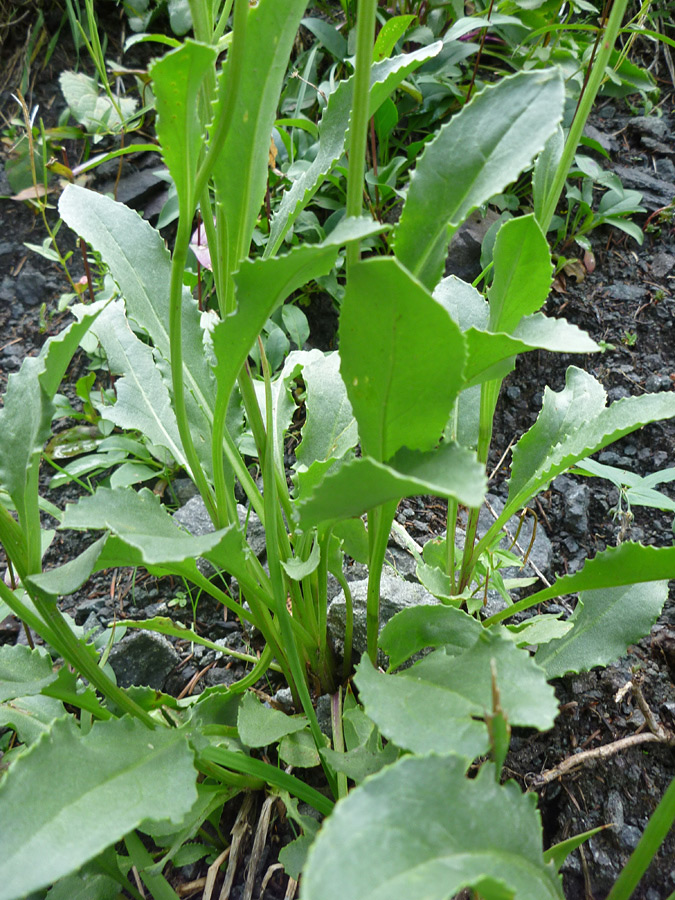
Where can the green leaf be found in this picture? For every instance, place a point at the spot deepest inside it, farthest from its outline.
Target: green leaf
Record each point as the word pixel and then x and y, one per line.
pixel 330 428
pixel 574 424
pixel 140 263
pixel 110 780
pixel 262 285
pixel 143 403
pixel 68 578
pixel 392 31
pixel 433 706
pixel 558 853
pixel 260 725
pixel 362 484
pixel 297 569
pixel 544 172
pixel 362 761
pixel 177 79
pixel 334 134
pixel 411 630
pixel 142 523
pixel 299 750
pixel 91 108
pixel 522 273
pixel 329 36
pixel 23 671
pixel 473 157
pixel 240 175
pixel 476 833
pixel 31 716
pixel 85 886
pixel 606 622
pixel 402 358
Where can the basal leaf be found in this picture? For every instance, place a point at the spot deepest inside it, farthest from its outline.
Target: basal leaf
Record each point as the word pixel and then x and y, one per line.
pixel 474 833
pixel 109 781
pixel 605 623
pixel 545 169
pixel 177 79
pixel 402 358
pixel 260 725
pixel 413 629
pixel 31 716
pixel 362 484
pixel 143 403
pixel 480 151
pixel 334 132
pixel 69 577
pixel 141 265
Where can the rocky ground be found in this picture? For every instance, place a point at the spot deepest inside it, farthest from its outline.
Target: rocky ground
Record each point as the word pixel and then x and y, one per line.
pixel 628 301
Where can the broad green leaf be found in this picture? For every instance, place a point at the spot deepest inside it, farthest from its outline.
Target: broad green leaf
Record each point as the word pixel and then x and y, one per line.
pixel 143 403
pixel 476 155
pixel 522 273
pixel 597 426
pixel 538 630
pixel 562 413
pixel 23 671
pixel 605 623
pixel 299 750
pixel 364 483
pixel 334 134
pixel 421 716
pixel 240 174
pixel 140 263
pixel 411 630
pixel 85 886
pixel 110 780
pixel 262 285
pixel 177 78
pixel 31 716
pixel 545 169
pixel 402 359
pixel 432 707
pixel 139 519
pixel 474 833
pixel 536 332
pixel 362 761
pixel 330 428
pixel 260 725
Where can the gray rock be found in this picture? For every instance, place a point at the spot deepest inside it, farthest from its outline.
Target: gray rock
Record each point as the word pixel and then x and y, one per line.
pixel 402 562
pixel 656 192
pixel 395 594
pixel 663 263
pixel 542 551
pixel 607 141
pixel 665 169
pixel 649 125
pixel 629 837
pixel 87 607
pixel 620 291
pixel 614 811
pixel 143 658
pixel 31 287
pixel 195 519
pixel 465 247
pixel 655 383
pixel 323 714
pixel 577 500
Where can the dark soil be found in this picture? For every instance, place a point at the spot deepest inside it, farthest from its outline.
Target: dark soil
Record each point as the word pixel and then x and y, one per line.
pixel 628 301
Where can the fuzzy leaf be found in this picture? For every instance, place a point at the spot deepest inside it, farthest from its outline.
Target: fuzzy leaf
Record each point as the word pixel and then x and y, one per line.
pixel 23 672
pixel 119 767
pixel 476 833
pixel 411 630
pixel 474 156
pixel 402 358
pixel 330 429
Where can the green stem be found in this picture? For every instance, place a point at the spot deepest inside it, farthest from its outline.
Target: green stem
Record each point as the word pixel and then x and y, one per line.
pixel 358 129
pixel 338 737
pixel 379 528
pixel 585 105
pixel 451 528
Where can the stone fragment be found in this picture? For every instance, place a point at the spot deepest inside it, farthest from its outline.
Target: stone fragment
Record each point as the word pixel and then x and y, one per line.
pixel 31 287
pixel 194 517
pixel 656 192
pixel 143 658
pixel 663 263
pixel 577 500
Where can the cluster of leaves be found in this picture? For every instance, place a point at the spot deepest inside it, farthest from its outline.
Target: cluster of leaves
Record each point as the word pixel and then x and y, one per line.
pixel 405 407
